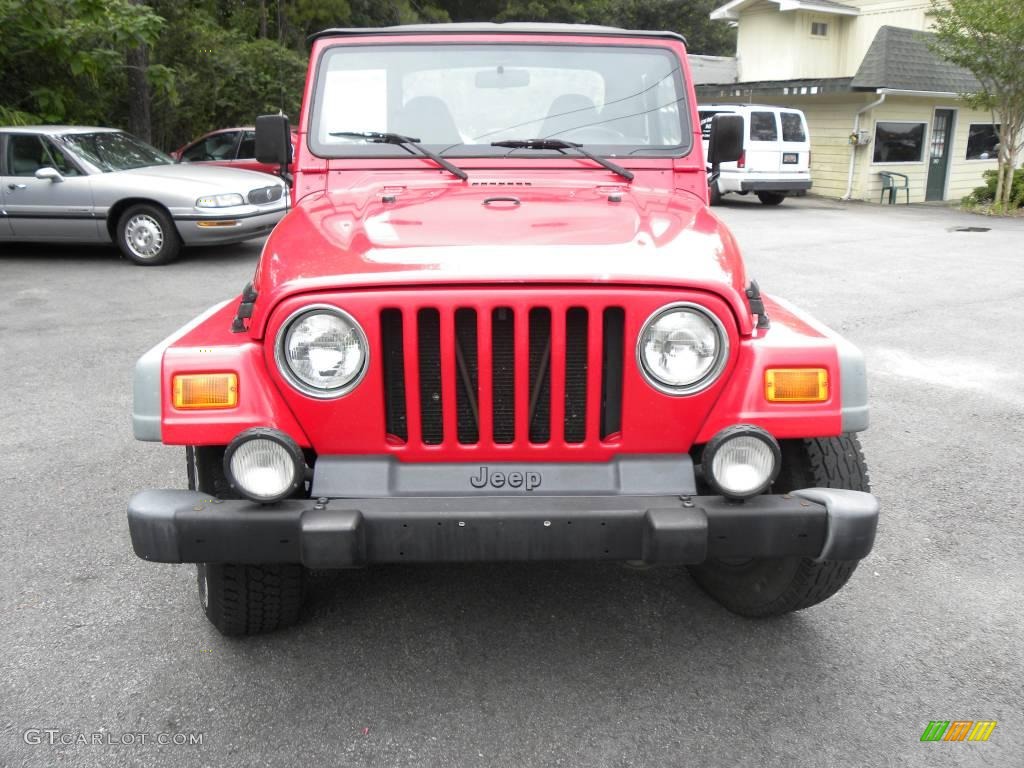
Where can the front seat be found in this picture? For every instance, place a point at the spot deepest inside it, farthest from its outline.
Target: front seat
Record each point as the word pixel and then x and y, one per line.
pixel 567 112
pixel 428 119
pixel 26 155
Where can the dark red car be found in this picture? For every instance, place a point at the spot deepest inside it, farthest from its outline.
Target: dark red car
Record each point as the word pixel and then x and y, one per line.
pixel 500 322
pixel 234 147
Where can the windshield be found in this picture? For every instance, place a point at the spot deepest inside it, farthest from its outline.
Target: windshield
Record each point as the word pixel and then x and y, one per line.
pixel 114 151
pixel 458 99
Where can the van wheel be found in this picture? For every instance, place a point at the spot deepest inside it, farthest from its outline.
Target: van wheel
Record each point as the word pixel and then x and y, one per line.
pixel 714 194
pixel 240 599
pixel 770 198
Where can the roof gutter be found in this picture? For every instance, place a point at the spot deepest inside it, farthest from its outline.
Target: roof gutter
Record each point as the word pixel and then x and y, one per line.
pixel 932 94
pixel 856 129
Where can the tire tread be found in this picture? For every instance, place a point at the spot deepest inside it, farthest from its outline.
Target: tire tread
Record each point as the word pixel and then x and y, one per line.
pixel 821 462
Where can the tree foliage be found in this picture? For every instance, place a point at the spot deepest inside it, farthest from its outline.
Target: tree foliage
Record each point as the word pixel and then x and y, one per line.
pixel 215 63
pixel 986 37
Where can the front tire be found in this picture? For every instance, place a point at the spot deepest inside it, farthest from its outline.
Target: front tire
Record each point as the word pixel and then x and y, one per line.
pixel 772 587
pixel 771 198
pixel 146 236
pixel 241 599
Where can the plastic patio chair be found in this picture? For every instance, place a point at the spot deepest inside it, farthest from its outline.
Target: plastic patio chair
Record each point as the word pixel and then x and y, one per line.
pixel 892 183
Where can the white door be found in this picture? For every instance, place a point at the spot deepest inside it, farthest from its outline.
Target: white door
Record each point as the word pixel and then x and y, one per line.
pixel 796 142
pixel 763 148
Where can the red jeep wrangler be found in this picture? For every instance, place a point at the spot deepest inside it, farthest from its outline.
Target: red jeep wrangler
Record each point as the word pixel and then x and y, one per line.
pixel 500 323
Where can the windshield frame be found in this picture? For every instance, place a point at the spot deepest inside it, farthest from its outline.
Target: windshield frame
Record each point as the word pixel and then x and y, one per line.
pixel 485 150
pixel 69 143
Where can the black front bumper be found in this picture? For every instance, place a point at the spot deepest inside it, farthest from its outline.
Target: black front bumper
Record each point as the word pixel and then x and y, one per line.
pixel 174 526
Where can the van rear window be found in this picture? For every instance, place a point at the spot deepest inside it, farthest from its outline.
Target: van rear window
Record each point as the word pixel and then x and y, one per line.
pixel 762 127
pixel 792 127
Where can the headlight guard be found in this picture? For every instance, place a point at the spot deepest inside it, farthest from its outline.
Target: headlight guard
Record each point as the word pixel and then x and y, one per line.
pixel 315 363
pixel 694 328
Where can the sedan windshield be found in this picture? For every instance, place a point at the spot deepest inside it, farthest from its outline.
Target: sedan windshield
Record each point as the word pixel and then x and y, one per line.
pixel 111 151
pixel 461 99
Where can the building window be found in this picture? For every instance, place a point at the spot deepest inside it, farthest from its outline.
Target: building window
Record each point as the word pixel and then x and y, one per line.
pixel 819 29
pixel 762 127
pixel 982 141
pixel 899 142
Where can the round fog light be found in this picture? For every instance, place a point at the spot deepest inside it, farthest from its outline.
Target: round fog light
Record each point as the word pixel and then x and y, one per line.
pixel 741 461
pixel 264 465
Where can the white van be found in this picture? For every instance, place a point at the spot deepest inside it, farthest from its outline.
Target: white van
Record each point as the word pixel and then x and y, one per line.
pixel 776 156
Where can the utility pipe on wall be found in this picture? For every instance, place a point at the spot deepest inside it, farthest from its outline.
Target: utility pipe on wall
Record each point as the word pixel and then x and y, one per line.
pixel 856 131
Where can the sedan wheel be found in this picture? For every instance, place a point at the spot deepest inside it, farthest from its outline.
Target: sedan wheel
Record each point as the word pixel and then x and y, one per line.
pixel 146 236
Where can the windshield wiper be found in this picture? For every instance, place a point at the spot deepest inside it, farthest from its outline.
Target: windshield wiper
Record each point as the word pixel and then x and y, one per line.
pixel 561 145
pixel 376 137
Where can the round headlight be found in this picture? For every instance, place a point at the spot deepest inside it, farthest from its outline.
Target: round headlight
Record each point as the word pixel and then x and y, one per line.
pixel 322 351
pixel 682 349
pixel 741 461
pixel 264 465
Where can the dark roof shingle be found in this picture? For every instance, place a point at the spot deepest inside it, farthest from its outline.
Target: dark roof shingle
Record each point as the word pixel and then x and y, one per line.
pixel 899 58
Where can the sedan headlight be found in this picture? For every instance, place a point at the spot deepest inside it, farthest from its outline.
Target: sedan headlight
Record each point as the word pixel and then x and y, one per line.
pixel 682 349
pixel 220 201
pixel 322 351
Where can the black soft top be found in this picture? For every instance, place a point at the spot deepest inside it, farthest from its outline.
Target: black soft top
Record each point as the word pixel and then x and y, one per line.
pixel 488 27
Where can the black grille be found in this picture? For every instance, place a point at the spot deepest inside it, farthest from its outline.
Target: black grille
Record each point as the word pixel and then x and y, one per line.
pixel 438 377
pixel 540 375
pixel 431 420
pixel 466 377
pixel 393 356
pixel 503 373
pixel 576 375
pixel 614 338
pixel 264 195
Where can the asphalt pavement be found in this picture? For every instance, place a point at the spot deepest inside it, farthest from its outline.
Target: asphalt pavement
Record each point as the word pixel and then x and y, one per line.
pixel 529 665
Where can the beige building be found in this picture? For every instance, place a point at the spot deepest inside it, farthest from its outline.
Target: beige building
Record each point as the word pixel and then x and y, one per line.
pixel 876 98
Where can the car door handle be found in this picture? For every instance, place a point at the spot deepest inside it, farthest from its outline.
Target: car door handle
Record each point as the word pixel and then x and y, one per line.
pixel 15 186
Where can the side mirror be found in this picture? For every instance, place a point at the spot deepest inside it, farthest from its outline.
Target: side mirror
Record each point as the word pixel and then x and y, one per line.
pixel 273 140
pixel 49 173
pixel 725 144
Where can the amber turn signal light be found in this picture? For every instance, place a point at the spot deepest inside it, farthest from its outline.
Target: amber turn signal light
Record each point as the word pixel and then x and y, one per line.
pixel 205 390
pixel 796 385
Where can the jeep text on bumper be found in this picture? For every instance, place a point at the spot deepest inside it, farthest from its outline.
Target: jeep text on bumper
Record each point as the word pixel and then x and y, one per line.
pixel 475 341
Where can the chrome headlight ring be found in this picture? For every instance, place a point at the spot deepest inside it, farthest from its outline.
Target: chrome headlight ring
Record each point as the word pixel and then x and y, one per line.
pixel 708 377
pixel 284 364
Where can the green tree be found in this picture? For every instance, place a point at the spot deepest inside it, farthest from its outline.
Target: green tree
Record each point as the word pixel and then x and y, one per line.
pixel 986 37
pixel 65 60
pixel 223 76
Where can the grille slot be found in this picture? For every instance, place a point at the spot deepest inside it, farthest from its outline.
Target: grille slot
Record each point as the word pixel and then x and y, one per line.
pixel 393 357
pixel 503 369
pixel 467 397
pixel 576 375
pixel 429 333
pixel 614 338
pixel 540 375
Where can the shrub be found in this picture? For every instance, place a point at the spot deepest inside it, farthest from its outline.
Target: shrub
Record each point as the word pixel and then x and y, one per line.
pixel 986 194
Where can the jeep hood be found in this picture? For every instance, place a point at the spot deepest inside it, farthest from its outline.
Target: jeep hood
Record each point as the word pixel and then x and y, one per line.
pixel 492 231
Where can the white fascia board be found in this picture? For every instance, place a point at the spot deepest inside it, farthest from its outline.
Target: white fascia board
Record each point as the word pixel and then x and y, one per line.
pixel 805 5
